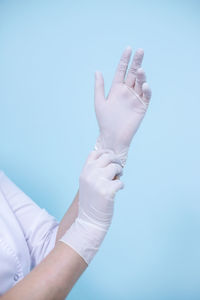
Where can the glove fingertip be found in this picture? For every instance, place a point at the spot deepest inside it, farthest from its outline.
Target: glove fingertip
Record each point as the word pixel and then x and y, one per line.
pixel 146 91
pixel 98 75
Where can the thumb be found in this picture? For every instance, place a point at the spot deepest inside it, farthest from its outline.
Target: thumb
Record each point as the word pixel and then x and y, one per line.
pixel 99 93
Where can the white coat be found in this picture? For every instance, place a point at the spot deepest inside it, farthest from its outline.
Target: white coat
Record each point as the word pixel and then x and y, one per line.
pixel 27 233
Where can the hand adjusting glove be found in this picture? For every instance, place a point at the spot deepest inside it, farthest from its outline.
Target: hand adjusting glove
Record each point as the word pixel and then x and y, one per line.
pixel 96 203
pixel 119 115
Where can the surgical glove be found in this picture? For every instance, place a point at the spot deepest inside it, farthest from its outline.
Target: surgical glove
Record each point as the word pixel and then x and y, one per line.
pixel 120 114
pixel 97 190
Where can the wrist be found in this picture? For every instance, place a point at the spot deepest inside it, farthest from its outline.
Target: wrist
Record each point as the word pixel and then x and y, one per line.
pixel 121 151
pixel 85 238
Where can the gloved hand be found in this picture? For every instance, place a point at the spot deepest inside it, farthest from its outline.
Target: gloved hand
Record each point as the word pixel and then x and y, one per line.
pixel 119 115
pixel 96 203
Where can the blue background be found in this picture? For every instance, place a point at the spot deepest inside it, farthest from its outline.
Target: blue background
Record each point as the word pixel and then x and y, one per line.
pixel 49 51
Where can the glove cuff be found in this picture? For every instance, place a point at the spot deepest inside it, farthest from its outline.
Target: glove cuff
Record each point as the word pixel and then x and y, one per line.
pixel 84 238
pixel 122 154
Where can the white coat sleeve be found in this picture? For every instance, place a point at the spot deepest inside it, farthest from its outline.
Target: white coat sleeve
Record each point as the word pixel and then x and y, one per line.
pixel 38 226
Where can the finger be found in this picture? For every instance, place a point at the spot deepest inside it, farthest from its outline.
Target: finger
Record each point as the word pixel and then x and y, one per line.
pixel 140 79
pixel 115 186
pixel 107 158
pixel 112 170
pixel 136 64
pixel 146 92
pixel 95 154
pixel 99 92
pixel 122 66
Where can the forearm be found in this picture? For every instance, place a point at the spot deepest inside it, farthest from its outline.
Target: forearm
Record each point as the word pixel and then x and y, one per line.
pixel 68 218
pixel 52 279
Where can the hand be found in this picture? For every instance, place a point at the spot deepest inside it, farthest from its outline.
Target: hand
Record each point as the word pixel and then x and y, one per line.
pixel 97 190
pixel 120 114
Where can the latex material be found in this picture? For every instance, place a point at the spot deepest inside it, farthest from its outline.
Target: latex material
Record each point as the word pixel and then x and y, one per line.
pixel 120 114
pixel 97 190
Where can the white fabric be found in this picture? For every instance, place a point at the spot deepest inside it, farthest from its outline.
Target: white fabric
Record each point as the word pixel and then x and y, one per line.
pixel 27 233
pixel 97 190
pixel 121 112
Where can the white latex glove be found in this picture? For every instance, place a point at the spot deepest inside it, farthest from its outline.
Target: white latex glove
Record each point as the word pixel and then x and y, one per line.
pixel 119 115
pixel 96 203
